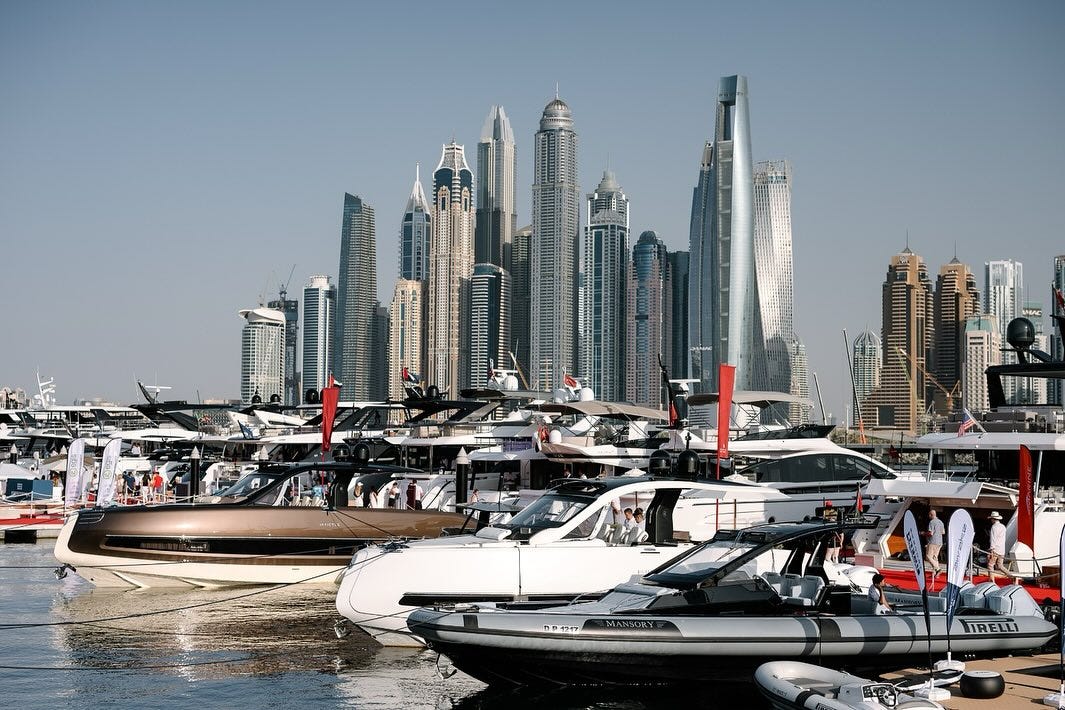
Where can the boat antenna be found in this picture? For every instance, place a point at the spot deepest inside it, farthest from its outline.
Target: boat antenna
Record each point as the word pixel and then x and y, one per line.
pixel 854 386
pixel 820 402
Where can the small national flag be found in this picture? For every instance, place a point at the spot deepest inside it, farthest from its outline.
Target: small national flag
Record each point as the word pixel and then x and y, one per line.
pixel 246 431
pixel 409 377
pixel 570 381
pixel 967 423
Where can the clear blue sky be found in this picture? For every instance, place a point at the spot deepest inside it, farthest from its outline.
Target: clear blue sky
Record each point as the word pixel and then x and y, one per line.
pixel 162 164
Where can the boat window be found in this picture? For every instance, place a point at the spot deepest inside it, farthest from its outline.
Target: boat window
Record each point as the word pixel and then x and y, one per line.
pixel 548 511
pixel 246 486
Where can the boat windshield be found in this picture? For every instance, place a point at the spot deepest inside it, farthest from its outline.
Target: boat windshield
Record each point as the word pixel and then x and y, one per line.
pixel 547 511
pixel 247 485
pixel 692 570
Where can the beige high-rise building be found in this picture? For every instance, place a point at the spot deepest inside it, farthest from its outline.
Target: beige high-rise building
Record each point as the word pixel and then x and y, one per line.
pixel 405 328
pixel 983 348
pixel 956 300
pixel 450 271
pixel 906 333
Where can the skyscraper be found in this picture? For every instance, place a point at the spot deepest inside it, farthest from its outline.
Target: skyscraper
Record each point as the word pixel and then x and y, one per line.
pixel 291 308
pixel 800 381
pixel 319 320
pixel 1056 388
pixel 415 233
pixel 553 257
pixel 520 292
pixel 1033 390
pixel 956 300
pixel 496 169
pixel 604 255
pixel 725 315
pixel 700 263
pixel 866 362
pixel 356 294
pixel 451 259
pixel 489 321
pixel 773 267
pixel 379 354
pixel 262 355
pixel 1003 293
pixel 678 321
pixel 648 302
pixel 983 348
pixel 406 327
pixel 907 337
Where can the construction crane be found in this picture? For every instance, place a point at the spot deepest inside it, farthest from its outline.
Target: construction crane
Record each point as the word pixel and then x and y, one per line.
pixel 517 368
pixel 950 395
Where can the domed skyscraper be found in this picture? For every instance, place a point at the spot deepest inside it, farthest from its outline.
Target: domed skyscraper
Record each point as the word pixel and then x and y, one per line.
pixel 553 258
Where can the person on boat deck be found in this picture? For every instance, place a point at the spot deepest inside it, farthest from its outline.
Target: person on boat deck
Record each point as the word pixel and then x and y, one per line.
pixel 566 472
pixel 997 546
pixel 373 498
pixel 629 521
pixel 935 542
pixel 393 496
pixel 637 519
pixel 835 543
pixel 135 450
pixel 146 486
pixel 414 495
pixel 357 496
pixel 876 593
pixel 615 512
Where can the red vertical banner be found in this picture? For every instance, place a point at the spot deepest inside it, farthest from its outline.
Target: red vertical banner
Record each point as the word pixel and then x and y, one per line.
pixel 1026 501
pixel 726 377
pixel 330 397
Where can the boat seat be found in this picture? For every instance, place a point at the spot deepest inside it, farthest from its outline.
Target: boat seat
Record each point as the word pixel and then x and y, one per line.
pixel 803 591
pixel 618 536
pixel 775 581
pixel 607 533
pixel 635 536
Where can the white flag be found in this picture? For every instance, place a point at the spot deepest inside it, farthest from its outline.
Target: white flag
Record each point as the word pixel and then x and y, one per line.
pixel 913 545
pixel 108 473
pixel 75 470
pixel 960 533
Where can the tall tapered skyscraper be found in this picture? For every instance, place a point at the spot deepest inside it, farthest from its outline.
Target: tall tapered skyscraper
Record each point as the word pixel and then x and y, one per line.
pixel 319 322
pixel 604 258
pixel 725 315
pixel 406 327
pixel 773 266
pixel 353 348
pixel 451 267
pixel 415 233
pixel 553 258
pixel 866 362
pixel 496 170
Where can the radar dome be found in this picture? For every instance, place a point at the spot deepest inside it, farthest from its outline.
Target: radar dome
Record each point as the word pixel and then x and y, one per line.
pixel 586 395
pixel 1020 333
pixel 554 437
pixel 510 383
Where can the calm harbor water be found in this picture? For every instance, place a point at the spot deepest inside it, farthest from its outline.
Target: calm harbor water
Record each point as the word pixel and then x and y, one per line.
pixel 272 649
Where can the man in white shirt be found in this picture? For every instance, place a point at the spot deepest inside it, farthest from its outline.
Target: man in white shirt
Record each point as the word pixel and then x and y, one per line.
pixel 997 547
pixel 876 593
pixel 935 532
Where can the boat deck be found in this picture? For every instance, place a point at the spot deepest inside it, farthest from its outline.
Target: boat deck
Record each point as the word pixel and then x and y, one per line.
pixel 30 527
pixel 1028 680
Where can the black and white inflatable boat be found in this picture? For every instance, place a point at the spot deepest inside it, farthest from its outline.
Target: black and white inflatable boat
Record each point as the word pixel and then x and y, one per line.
pixel 719 611
pixel 793 685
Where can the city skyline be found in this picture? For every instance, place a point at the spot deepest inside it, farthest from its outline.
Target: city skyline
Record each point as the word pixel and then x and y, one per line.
pixel 232 234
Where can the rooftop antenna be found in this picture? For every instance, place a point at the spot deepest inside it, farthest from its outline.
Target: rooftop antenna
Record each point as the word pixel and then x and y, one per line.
pixel 556 91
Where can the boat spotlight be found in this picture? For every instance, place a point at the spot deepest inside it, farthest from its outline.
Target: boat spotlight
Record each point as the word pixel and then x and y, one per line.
pixel 61 571
pixel 340 628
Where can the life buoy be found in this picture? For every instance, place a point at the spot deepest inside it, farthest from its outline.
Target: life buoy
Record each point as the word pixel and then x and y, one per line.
pixel 982 684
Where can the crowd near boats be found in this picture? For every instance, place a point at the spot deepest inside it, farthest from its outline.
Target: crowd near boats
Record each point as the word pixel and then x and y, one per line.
pixel 551 538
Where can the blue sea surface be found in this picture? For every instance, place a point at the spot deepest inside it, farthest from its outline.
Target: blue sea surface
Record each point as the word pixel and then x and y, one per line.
pixel 65 643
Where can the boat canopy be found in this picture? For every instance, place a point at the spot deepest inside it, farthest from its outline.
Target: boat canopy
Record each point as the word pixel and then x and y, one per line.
pixel 992 440
pixel 946 489
pixel 613 410
pixel 757 398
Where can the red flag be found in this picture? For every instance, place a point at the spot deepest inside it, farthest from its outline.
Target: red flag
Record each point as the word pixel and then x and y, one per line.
pixel 726 376
pixel 330 397
pixel 1026 501
pixel 569 381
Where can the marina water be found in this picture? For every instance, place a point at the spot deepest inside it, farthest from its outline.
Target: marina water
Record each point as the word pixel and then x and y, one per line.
pixel 66 643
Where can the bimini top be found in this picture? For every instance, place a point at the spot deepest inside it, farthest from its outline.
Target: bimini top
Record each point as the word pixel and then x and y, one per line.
pixel 754 397
pixel 612 410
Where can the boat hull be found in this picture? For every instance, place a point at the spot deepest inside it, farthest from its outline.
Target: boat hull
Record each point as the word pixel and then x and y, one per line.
pixel 633 649
pixel 217 546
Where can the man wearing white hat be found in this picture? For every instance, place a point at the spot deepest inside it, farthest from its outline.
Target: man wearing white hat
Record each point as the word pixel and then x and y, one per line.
pixel 997 546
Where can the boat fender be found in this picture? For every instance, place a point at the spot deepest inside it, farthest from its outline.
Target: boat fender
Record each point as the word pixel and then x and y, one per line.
pixel 982 684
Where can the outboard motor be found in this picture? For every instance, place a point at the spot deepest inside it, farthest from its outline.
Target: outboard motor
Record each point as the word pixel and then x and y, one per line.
pixel 660 464
pixel 687 465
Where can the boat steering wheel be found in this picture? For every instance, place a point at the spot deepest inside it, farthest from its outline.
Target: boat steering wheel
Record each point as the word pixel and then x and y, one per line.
pixel 886 695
